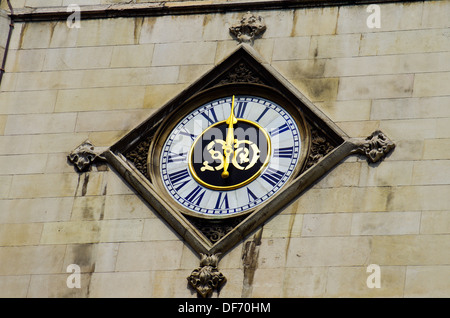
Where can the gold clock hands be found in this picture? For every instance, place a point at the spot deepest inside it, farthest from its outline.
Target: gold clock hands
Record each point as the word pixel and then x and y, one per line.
pixel 228 148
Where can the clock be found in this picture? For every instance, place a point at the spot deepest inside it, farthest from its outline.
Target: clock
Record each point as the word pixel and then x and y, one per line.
pixel 229 152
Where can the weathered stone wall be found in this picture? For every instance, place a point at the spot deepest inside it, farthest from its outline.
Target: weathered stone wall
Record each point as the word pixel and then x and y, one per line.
pixel 63 86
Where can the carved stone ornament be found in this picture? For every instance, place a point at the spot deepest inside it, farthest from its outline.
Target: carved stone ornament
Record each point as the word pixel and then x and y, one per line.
pixel 84 155
pixel 248 28
pixel 376 146
pixel 207 277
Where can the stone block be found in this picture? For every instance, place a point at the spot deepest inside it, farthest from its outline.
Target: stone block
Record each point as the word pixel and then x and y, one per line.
pixel 315 21
pixel 25 60
pixel 157 230
pixel 168 29
pixel 343 175
pixel 361 129
pixel 156 96
pixel 43 185
pixel 23 164
pixel 400 42
pixel 167 283
pixel 419 198
pixel 132 55
pixel 37 35
pixel 431 172
pixel 326 224
pixel 40 123
pixel 55 286
pixel 110 120
pixel 98 32
pixel 267 283
pixel 295 69
pixel 20 234
pixel 59 59
pixel 352 282
pixel 88 208
pixel 409 108
pixel 27 102
pixel 435 14
pixel 132 284
pixel 291 48
pixel 387 64
pixel 167 54
pixel 127 206
pixel 157 255
pixel 121 230
pixel 52 143
pixel 427 281
pixel 349 110
pixel 436 148
pixel 390 173
pixel 435 222
pixel 375 87
pixel 385 223
pixel 416 250
pixel 328 251
pixel 318 89
pixel 288 225
pixel 328 46
pixel 25 260
pixel 35 210
pixel 63 36
pixel 305 282
pixel 283 19
pixel 216 26
pixel 409 129
pixel 100 99
pixel 74 232
pixel 432 84
pixel 17 286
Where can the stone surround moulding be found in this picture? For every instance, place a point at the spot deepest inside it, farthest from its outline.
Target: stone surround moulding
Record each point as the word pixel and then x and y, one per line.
pixel 161 8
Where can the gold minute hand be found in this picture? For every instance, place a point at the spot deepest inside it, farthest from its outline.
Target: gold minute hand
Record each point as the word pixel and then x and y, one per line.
pixel 229 142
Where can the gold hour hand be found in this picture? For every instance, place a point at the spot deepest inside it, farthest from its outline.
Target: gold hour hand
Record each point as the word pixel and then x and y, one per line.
pixel 229 142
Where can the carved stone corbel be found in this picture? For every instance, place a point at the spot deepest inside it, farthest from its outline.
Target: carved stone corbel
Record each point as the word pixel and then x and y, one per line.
pixel 248 28
pixel 84 155
pixel 206 278
pixel 375 147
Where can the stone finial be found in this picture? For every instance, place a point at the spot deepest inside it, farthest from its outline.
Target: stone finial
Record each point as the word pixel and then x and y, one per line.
pixel 84 155
pixel 207 277
pixel 375 147
pixel 248 28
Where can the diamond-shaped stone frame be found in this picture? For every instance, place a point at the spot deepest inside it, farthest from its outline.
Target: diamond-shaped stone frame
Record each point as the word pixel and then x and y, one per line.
pixel 244 65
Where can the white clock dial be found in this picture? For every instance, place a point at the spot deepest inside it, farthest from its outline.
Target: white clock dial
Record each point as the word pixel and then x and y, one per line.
pixel 262 154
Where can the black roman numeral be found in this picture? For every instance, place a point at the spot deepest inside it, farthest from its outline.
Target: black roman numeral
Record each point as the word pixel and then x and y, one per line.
pixel 240 109
pixel 251 196
pixel 213 115
pixel 222 201
pixel 196 196
pixel 286 152
pixel 262 114
pixel 272 176
pixel 279 130
pixel 176 157
pixel 187 133
pixel 178 179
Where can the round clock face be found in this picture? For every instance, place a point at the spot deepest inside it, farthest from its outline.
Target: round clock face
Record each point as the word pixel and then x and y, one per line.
pixel 230 155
